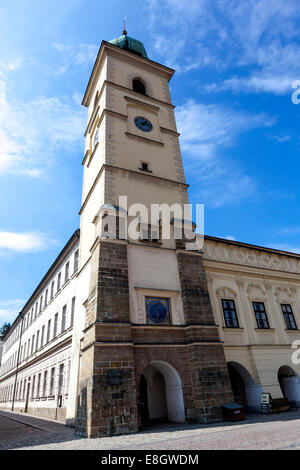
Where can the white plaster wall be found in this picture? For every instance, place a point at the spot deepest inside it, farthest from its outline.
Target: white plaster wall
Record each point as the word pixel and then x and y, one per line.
pixel 155 270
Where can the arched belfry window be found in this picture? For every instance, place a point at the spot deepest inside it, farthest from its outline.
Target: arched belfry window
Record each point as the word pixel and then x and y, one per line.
pixel 138 86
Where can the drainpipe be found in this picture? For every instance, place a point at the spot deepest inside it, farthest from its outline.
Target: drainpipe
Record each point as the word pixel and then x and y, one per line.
pixel 18 360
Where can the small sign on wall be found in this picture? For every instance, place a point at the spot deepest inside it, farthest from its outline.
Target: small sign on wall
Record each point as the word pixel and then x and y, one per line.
pixel 114 377
pixel 266 398
pixel 265 402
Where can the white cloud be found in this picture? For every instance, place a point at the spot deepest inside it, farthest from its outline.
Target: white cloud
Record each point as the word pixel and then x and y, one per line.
pixel 256 84
pixel 227 33
pixel 9 309
pixel 31 133
pixel 81 54
pixel 284 247
pixel 24 242
pixel 206 131
pixel 229 237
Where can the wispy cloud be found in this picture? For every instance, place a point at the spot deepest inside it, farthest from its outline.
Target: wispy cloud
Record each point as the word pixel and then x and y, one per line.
pixel 207 130
pixel 31 133
pixel 25 242
pixel 263 38
pixel 277 85
pixel 9 309
pixel 291 248
pixel 83 54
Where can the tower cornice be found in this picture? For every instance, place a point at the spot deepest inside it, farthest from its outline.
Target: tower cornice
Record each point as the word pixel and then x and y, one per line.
pixel 109 49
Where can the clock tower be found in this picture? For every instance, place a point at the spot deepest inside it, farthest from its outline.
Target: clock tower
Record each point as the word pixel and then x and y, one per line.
pixel 150 347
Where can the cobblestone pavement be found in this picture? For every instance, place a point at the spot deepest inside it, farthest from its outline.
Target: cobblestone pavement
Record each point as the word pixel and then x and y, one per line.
pixel 278 431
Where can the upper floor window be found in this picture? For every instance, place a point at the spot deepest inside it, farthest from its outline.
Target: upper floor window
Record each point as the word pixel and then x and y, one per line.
pixel 42 335
pixel 58 281
pixel 261 315
pixel 55 325
pixel 63 319
pixel 72 312
pixel 67 271
pixel 230 315
pixel 46 297
pixel 52 290
pixel 48 331
pixel 76 258
pixel 41 303
pixel 138 86
pixel 37 340
pixel 288 317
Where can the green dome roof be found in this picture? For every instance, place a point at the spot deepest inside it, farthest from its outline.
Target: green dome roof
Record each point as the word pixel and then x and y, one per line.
pixel 130 44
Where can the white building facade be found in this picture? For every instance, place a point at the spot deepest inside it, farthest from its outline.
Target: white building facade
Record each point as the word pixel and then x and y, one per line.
pixel 36 364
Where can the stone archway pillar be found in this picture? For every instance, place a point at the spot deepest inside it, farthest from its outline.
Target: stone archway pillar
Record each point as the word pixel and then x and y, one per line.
pixel 175 404
pixel 253 393
pixel 292 388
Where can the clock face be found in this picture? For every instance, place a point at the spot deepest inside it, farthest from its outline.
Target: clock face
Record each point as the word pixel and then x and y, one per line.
pixel 158 310
pixel 143 124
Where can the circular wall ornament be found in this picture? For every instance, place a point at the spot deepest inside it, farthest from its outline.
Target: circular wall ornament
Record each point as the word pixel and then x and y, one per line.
pixel 158 309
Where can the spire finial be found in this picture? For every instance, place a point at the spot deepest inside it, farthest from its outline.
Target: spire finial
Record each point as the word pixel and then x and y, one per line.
pixel 124 32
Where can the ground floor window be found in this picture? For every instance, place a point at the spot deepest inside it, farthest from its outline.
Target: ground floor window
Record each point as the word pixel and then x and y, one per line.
pixel 230 315
pixel 288 317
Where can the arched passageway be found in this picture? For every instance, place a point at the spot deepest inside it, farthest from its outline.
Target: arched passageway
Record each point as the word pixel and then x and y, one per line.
pixel 289 383
pixel 246 392
pixel 161 397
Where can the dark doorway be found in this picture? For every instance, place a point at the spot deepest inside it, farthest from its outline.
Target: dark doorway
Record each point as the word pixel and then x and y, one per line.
pixel 238 386
pixel 144 401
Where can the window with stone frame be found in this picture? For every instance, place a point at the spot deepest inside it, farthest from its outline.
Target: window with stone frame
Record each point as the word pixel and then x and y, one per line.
pixel 229 312
pixel 48 331
pixel 76 258
pixel 61 379
pixel 55 325
pixel 33 387
pixel 261 315
pixel 289 318
pixel 42 335
pixel 64 318
pixel 58 281
pixel 52 378
pixel 52 290
pixel 67 271
pixel 37 340
pixel 38 389
pixel 72 311
pixel 45 383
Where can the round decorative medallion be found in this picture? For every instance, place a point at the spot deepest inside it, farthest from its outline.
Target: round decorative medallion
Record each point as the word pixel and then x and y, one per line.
pixel 143 124
pixel 157 311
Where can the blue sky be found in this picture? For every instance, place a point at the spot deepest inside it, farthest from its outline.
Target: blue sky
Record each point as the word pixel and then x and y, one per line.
pixel 235 63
